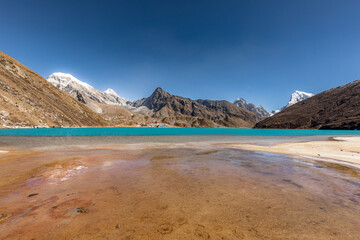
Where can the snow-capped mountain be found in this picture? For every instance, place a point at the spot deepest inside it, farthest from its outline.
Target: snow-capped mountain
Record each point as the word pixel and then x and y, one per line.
pixel 114 97
pixel 259 111
pixel 84 92
pixel 296 97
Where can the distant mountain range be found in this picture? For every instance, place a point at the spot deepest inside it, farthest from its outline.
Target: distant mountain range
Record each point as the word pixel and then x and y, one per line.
pixel 185 112
pixel 161 106
pixel 96 99
pixel 99 101
pixel 28 100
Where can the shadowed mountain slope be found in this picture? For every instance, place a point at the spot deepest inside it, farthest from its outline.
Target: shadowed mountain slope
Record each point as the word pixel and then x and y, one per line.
pixel 337 108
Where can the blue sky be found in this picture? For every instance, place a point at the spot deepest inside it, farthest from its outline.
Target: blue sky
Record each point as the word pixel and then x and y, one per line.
pixel 260 50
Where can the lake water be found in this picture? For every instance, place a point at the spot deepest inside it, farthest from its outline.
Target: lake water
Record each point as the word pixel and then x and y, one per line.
pixel 137 131
pixel 27 138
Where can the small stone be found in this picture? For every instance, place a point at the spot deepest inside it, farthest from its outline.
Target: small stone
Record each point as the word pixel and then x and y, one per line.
pixel 33 194
pixel 4 216
pixel 82 210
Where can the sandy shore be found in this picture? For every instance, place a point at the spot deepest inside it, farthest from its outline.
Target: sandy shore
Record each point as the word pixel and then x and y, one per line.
pixel 335 148
pixel 202 190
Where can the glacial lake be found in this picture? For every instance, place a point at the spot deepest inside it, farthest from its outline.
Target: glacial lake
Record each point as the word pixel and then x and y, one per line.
pixel 138 131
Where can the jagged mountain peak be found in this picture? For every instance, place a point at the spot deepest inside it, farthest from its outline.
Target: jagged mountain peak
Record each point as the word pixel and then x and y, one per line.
pixel 159 89
pixel 240 100
pixel 259 111
pixel 160 92
pixel 111 92
pixel 298 96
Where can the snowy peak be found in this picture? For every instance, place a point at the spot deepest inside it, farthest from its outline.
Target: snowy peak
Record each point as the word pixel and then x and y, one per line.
pixel 240 102
pixel 298 96
pixel 83 91
pixel 114 97
pixel 110 91
pixel 61 80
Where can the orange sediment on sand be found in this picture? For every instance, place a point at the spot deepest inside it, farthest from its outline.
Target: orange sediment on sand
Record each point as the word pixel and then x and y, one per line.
pixel 173 191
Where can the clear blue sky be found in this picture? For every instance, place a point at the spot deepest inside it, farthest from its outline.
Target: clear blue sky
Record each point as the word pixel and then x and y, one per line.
pixel 260 50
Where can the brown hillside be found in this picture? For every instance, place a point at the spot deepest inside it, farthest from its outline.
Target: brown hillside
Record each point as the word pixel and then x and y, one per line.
pixel 28 100
pixel 337 108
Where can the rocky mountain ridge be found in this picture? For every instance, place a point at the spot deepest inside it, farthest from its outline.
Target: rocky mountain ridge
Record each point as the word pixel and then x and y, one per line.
pixel 259 111
pixel 195 113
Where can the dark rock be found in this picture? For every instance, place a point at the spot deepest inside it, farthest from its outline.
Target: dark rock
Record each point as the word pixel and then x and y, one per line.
pixel 33 194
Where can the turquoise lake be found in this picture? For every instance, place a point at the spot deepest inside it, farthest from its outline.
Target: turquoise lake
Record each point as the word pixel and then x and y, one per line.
pixel 137 131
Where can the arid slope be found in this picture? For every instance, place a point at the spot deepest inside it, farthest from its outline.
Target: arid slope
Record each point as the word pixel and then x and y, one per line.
pixel 28 100
pixel 337 108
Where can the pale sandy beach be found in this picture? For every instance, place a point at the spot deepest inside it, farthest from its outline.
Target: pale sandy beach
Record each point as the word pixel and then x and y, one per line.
pixel 345 149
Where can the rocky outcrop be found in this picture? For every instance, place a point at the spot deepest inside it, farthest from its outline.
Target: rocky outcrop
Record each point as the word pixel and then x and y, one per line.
pixel 337 108
pixel 259 111
pixel 177 110
pixel 28 100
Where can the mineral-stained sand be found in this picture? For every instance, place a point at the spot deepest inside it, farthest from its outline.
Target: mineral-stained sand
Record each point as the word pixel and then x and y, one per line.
pixel 174 191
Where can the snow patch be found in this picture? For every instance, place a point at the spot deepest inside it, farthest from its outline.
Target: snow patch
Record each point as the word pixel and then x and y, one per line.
pixel 83 91
pixel 296 97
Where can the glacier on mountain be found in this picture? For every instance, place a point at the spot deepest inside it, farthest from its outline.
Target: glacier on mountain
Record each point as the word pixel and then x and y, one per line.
pixel 83 91
pixel 296 97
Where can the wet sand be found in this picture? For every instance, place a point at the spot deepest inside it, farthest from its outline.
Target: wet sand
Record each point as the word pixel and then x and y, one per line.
pixel 199 190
